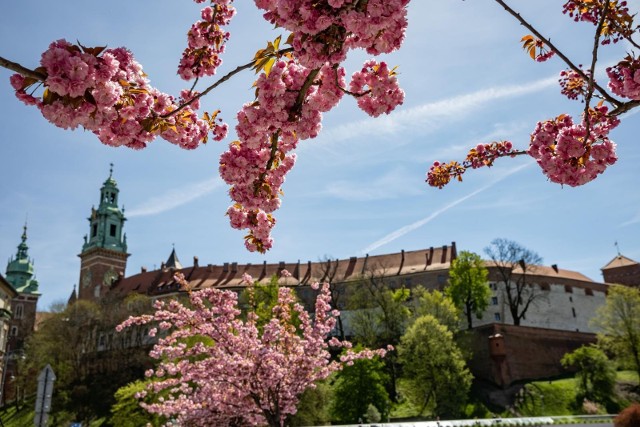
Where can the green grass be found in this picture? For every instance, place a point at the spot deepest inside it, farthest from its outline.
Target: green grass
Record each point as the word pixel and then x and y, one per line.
pixel 628 376
pixel 541 398
pixel 11 417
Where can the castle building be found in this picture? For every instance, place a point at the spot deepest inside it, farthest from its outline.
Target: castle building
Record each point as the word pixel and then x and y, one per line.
pixel 103 258
pixel 556 322
pixel 20 275
pixel 622 270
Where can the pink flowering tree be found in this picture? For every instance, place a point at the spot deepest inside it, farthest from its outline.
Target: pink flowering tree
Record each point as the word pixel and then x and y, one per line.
pixel 106 92
pixel 570 151
pixel 216 369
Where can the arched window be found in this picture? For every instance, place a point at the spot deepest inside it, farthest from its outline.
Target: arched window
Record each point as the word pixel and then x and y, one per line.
pixel 19 311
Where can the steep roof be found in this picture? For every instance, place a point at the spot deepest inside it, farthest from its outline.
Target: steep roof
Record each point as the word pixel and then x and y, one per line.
pixel 550 272
pixel 229 275
pixel 173 261
pixel 619 261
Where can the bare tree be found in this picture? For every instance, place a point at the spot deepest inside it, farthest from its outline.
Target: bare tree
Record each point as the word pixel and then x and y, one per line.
pixel 513 262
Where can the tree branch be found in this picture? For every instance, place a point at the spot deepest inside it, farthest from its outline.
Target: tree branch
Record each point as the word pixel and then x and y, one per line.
pixel 530 27
pixel 220 81
pixel 592 70
pixel 14 66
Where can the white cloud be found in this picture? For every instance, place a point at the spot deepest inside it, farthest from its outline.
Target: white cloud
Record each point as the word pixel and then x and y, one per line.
pixel 408 228
pixel 393 184
pixel 434 115
pixel 174 198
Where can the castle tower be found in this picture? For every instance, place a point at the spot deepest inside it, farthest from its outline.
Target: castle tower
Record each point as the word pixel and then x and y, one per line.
pixel 20 275
pixel 104 252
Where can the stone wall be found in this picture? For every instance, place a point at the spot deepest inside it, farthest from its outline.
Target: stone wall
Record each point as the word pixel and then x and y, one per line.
pixel 504 354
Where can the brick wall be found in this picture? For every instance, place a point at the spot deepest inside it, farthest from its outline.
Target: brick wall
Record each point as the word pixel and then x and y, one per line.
pixel 521 352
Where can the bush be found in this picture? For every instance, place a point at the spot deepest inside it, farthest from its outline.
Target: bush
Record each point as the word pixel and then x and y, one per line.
pixel 630 417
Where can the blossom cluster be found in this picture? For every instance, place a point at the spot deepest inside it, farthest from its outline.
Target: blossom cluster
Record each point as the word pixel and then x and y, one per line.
pixel 206 40
pixel 324 31
pixel 383 93
pixel 572 84
pixel 440 174
pixel 106 91
pixel 618 23
pixel 216 369
pixel 289 105
pixel 624 78
pixel 574 154
pixel 288 108
pixel 294 90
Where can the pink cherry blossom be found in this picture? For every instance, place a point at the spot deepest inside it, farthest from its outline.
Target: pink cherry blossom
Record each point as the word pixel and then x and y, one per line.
pixel 232 371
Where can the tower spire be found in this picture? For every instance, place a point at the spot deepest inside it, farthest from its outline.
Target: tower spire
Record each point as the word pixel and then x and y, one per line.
pixel 20 272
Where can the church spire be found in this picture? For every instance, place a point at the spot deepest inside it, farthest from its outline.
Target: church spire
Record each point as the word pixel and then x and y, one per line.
pixel 104 253
pixel 107 222
pixel 20 270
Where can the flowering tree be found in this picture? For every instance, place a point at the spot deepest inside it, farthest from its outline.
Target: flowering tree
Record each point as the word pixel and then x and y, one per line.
pixel 106 92
pixel 216 369
pixel 570 151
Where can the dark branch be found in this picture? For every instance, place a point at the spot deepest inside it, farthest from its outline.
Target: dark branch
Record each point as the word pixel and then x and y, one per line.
pixel 13 66
pixel 220 81
pixel 530 27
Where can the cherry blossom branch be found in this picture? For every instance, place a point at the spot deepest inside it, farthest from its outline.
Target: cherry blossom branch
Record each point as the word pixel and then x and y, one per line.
pixel 592 70
pixel 14 66
pixel 220 81
pixel 531 28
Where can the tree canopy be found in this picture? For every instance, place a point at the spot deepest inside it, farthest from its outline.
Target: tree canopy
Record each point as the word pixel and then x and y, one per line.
pixel 468 285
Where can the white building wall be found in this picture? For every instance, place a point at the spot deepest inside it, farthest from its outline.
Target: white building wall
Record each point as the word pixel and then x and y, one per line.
pixel 567 308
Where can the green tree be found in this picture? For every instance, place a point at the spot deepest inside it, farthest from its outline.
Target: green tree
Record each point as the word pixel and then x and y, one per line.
pixel 127 412
pixel 314 406
pixel 468 287
pixel 379 317
pixel 438 305
pixel 434 368
pixel 357 387
pixel 619 324
pixel 90 359
pixel 596 374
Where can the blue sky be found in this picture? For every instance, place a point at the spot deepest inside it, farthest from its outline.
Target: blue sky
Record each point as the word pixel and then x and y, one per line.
pixel 358 188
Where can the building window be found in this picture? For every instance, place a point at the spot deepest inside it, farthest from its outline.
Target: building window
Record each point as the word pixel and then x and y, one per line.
pixel 494 300
pixel 112 230
pixel 573 310
pixel 441 278
pixel 19 311
pixel 94 230
pixel 570 299
pixel 544 287
pixel 496 317
pixel 14 331
pixel 588 292
pixel 568 289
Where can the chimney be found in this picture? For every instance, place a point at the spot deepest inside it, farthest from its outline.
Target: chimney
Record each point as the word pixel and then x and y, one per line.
pixel 195 262
pixel 555 267
pixel 364 264
pixel 401 262
pixel 234 267
pixel 143 269
pixel 225 267
pixel 454 251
